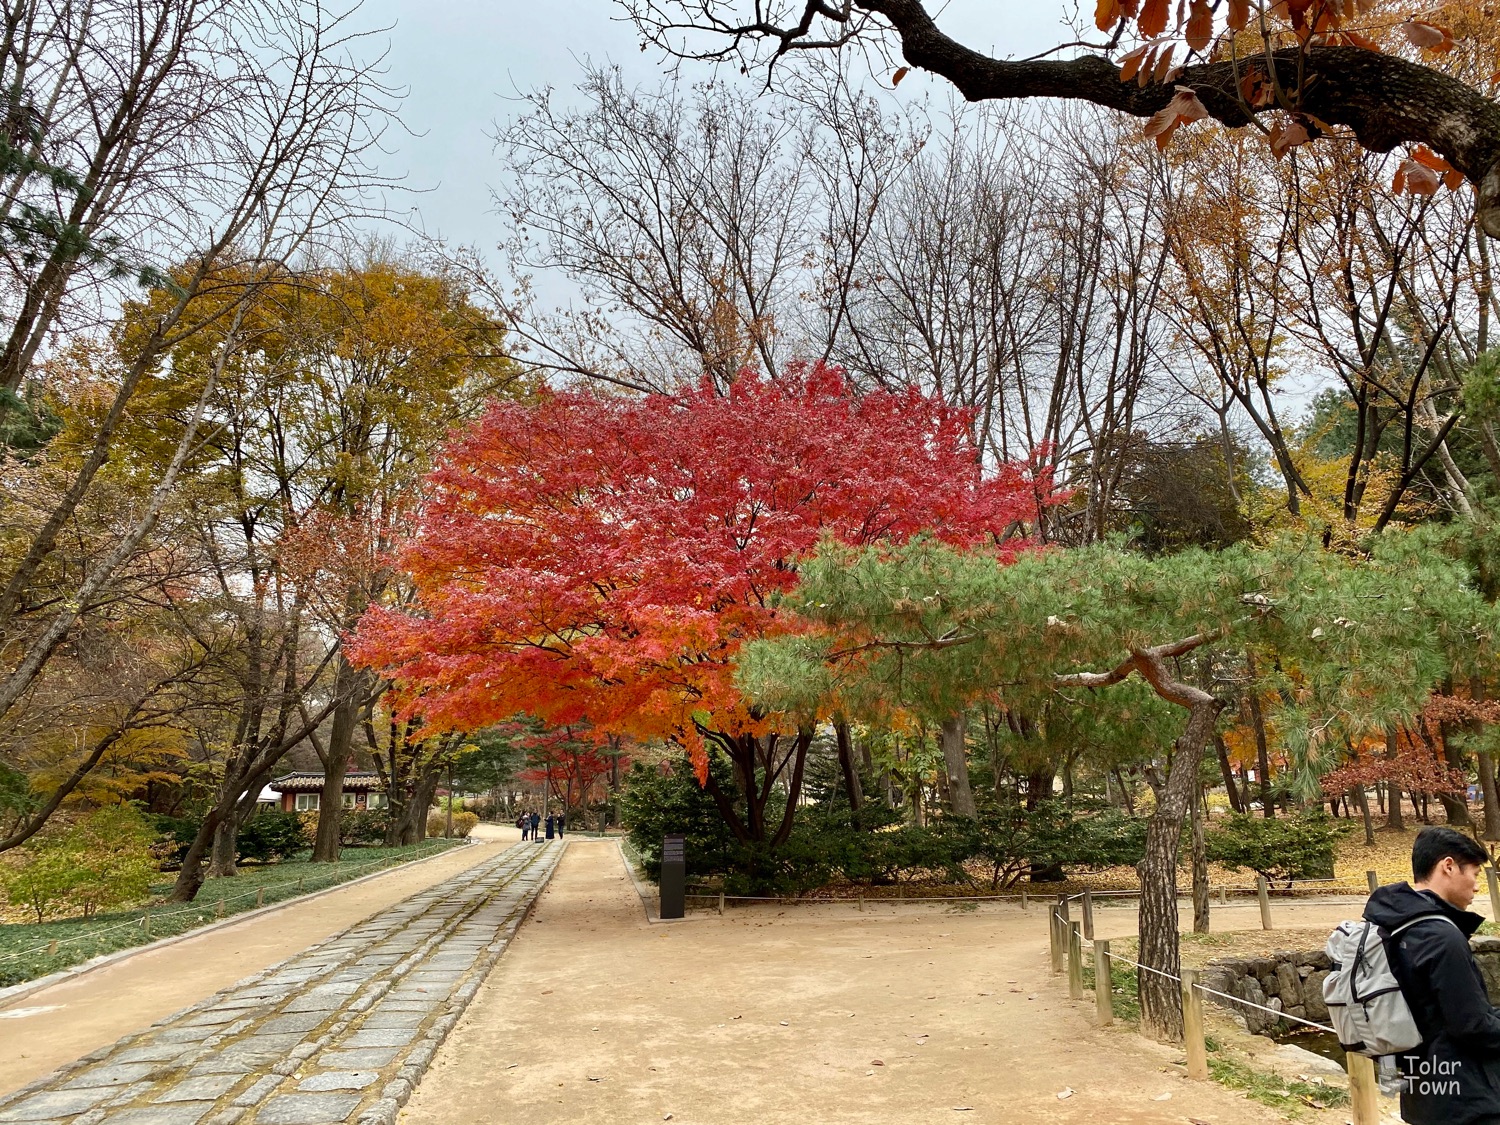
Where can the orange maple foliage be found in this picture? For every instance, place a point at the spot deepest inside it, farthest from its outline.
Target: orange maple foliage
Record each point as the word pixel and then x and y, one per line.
pixel 598 559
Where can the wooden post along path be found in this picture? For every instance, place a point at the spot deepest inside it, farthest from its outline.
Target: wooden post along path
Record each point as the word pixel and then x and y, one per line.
pixel 1373 878
pixel 1088 915
pixel 1103 995
pixel 1075 962
pixel 1192 1026
pixel 1262 892
pixel 1364 1089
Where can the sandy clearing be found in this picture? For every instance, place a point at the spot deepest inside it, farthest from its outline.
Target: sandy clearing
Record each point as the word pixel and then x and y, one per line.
pixel 593 1015
pixel 89 1011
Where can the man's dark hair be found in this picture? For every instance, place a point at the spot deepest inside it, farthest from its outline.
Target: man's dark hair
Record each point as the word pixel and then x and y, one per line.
pixel 1437 843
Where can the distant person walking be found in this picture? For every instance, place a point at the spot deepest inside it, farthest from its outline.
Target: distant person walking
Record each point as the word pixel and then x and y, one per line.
pixel 523 822
pixel 562 818
pixel 536 819
pixel 551 823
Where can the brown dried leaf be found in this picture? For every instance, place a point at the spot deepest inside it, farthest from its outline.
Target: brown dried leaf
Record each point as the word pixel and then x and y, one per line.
pixel 1200 25
pixel 1143 75
pixel 1239 14
pixel 1415 179
pixel 1107 14
pixel 1163 65
pixel 1428 36
pixel 901 73
pixel 1287 135
pixel 1153 18
pixel 1130 64
pixel 1256 88
pixel 1182 109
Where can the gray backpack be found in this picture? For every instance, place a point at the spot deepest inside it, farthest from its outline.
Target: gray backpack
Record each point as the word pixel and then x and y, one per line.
pixel 1363 996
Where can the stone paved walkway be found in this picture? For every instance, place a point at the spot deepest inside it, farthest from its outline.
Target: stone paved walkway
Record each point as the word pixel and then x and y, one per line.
pixel 339 1033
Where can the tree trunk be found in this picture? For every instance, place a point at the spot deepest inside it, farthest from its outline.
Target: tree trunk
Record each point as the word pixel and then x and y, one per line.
pixel 351 687
pixel 1455 805
pixel 330 809
pixel 226 844
pixel 1363 797
pixel 1491 798
pixel 1236 802
pixel 1200 869
pixel 1161 997
pixel 853 789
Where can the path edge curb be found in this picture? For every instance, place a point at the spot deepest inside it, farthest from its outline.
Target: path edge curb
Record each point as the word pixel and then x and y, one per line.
pixel 399 1091
pixel 26 988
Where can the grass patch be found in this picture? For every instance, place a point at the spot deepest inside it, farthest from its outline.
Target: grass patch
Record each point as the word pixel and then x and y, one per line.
pixel 1287 1095
pixel 24 947
pixel 1124 990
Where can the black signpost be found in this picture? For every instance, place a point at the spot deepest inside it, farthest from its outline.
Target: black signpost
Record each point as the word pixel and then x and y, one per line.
pixel 673 884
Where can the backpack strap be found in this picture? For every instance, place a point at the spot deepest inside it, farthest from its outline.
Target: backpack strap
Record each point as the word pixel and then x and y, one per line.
pixel 1424 918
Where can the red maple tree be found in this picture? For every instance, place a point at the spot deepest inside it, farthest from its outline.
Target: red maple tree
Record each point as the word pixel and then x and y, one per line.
pixel 569 761
pixel 595 559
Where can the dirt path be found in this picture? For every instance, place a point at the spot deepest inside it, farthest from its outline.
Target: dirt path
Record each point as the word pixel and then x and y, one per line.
pixel 58 1024
pixel 771 1015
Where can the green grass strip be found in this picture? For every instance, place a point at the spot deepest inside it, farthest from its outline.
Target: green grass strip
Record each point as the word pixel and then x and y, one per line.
pixel 27 951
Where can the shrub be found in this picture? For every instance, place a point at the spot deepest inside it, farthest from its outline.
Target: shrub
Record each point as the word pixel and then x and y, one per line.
pixel 363 826
pixel 174 835
pixel 463 823
pixel 656 802
pixel 308 819
pixel 1288 847
pixel 101 861
pixel 270 835
pixel 485 808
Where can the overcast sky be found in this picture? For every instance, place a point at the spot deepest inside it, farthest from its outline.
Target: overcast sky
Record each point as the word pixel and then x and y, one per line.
pixel 460 60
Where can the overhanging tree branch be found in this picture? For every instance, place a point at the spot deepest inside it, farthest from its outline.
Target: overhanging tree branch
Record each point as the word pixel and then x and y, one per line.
pixel 1386 100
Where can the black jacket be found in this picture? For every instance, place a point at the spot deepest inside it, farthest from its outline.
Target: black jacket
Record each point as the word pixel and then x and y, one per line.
pixel 1453 1078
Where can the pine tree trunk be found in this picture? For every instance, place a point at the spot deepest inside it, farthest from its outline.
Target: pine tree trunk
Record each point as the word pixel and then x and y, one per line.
pixel 1363 797
pixel 1200 870
pixel 1161 997
pixel 1236 802
pixel 853 790
pixel 956 766
pixel 1491 798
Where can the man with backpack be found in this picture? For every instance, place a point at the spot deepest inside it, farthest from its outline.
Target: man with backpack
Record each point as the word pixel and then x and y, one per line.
pixel 1453 1076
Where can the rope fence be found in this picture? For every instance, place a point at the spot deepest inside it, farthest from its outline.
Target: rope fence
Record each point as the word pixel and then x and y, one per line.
pixel 1067 941
pixel 149 915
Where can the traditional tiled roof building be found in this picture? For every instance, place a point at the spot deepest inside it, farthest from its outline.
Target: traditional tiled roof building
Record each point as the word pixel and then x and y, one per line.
pixel 300 791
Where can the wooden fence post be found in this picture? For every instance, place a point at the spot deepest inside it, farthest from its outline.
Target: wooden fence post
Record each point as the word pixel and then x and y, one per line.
pixel 1103 994
pixel 721 903
pixel 1494 891
pixel 1054 925
pixel 1192 1026
pixel 219 910
pixel 146 921
pixel 1364 1091
pixel 1223 896
pixel 1088 915
pixel 52 948
pixel 1025 905
pixel 1075 962
pixel 1373 879
pixel 861 904
pixel 260 897
pixel 1062 908
pixel 1263 893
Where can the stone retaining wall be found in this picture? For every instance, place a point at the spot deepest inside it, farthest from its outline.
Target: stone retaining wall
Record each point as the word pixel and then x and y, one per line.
pixel 1291 981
